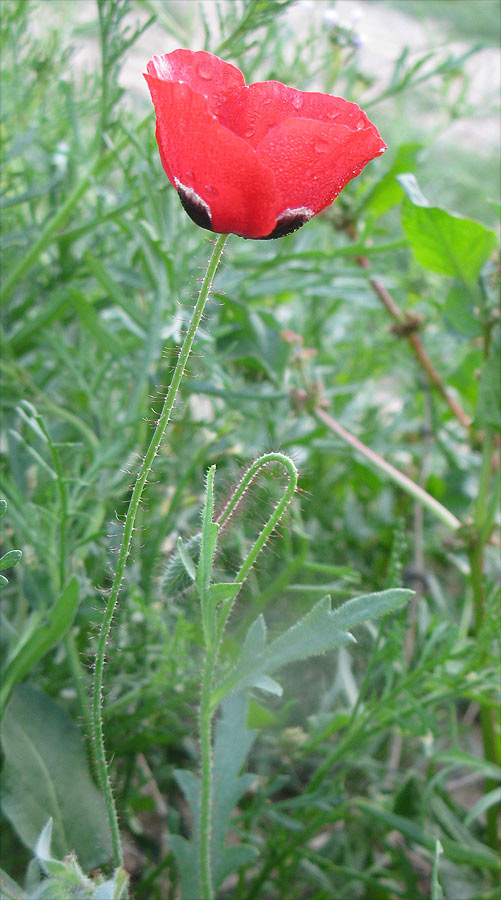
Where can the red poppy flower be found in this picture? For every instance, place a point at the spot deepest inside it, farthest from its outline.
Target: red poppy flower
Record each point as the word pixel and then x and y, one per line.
pixel 257 160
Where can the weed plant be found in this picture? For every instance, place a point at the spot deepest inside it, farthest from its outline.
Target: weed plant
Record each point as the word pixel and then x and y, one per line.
pixel 366 348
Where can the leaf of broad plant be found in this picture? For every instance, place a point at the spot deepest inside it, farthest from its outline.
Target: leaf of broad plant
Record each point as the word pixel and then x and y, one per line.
pixel 443 242
pixel 388 192
pixel 41 634
pixel 9 889
pixel 488 412
pixel 231 747
pixel 321 629
pixel 45 775
pixel 459 311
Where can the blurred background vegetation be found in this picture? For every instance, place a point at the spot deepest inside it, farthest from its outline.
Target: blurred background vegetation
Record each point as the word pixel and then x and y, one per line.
pixel 100 266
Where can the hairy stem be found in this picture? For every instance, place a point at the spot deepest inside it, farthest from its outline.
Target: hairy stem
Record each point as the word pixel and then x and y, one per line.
pixel 207 700
pixel 272 522
pixel 156 440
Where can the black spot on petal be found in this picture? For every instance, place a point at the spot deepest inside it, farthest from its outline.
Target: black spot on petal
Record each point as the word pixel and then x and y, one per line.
pixel 195 207
pixel 286 224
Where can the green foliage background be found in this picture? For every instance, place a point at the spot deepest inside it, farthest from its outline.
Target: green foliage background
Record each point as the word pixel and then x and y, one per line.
pixel 376 751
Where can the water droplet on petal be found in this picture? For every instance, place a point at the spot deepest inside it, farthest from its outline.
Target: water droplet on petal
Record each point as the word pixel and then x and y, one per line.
pixel 321 145
pixel 211 190
pixel 360 125
pixel 249 132
pixel 205 71
pixel 332 115
pixel 297 101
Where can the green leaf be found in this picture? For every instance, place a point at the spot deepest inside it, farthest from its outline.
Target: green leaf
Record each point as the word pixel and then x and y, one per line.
pixel 436 890
pixel 443 242
pixel 209 538
pixel 9 889
pixel 43 631
pixel 10 559
pixel 321 629
pixel 459 311
pixel 231 746
pixel 186 559
pixel 474 854
pixel 218 593
pixel 45 775
pixel 388 192
pixel 488 412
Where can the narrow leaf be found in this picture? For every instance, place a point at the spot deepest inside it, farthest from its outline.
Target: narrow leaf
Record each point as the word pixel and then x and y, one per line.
pixel 38 638
pixel 10 559
pixel 186 559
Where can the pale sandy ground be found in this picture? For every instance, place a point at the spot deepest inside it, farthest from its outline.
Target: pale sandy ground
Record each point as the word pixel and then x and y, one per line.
pixel 385 31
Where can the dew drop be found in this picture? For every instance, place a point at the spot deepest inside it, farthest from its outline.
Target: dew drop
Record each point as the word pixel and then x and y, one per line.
pixel 332 115
pixel 297 101
pixel 359 126
pixel 205 71
pixel 321 146
pixel 211 190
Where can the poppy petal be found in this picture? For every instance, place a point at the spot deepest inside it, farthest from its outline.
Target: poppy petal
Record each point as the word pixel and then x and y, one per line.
pixel 313 161
pixel 216 172
pixel 203 72
pixel 252 111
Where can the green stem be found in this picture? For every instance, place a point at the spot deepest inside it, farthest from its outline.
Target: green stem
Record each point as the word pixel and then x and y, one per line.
pixel 205 722
pixel 156 440
pixel 207 704
pixel 271 524
pixel 407 484
pixel 481 533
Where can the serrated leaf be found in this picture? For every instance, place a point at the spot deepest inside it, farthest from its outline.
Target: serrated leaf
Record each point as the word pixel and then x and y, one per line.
pixel 43 632
pixel 321 629
pixel 218 593
pixel 45 774
pixel 231 746
pixel 441 241
pixel 265 683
